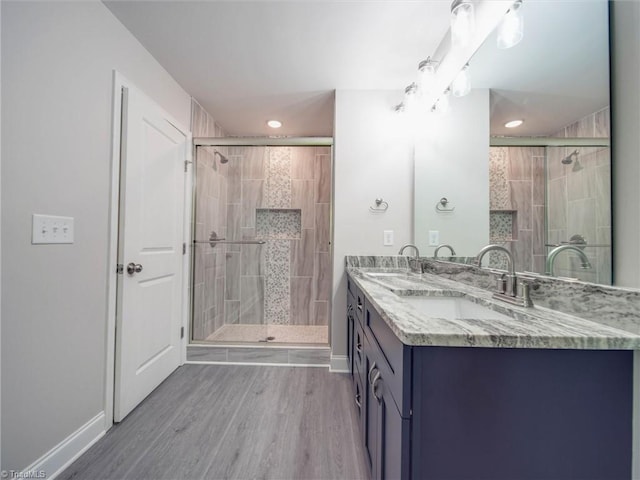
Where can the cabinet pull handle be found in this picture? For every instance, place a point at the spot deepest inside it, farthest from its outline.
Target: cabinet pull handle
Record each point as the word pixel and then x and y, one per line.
pixel 359 347
pixel 360 307
pixel 357 398
pixel 373 366
pixel 374 385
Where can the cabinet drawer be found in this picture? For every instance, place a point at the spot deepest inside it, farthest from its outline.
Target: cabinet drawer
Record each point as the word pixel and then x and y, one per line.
pixel 396 356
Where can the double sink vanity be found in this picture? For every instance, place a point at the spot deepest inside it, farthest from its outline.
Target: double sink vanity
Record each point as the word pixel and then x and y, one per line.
pixel 451 382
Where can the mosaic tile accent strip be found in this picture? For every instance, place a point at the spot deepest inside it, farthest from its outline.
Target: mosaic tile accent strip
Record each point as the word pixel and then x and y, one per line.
pixel 279 177
pixel 498 182
pixel 500 226
pixel 278 289
pixel 278 224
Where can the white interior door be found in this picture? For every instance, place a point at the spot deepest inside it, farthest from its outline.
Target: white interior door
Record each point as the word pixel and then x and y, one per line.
pixel 149 305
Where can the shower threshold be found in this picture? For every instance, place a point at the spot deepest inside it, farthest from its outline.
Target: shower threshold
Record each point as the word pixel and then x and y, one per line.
pixel 261 334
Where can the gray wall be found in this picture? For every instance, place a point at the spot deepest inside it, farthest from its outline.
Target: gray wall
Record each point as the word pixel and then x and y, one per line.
pixel 57 62
pixel 625 124
pixel 373 157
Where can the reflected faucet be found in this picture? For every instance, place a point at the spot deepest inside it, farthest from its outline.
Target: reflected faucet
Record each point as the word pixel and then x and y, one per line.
pixel 444 245
pixel 507 287
pixel 551 258
pixel 409 245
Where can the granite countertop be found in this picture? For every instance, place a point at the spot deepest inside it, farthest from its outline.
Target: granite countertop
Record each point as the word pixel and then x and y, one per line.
pixel 516 327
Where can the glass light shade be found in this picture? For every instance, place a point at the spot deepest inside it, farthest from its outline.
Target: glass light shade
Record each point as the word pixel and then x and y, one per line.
pixel 426 75
pixel 511 28
pixel 463 23
pixel 410 97
pixel 461 86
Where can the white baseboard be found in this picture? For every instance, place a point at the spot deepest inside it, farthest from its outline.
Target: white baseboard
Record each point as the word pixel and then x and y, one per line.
pixel 339 364
pixel 66 452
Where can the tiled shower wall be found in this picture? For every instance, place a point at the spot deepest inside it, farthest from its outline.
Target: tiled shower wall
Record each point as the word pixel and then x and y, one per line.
pixel 280 195
pixel 579 199
pixel 208 282
pixel 516 197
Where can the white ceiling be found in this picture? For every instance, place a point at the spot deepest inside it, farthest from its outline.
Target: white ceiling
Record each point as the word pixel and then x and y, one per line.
pixel 250 61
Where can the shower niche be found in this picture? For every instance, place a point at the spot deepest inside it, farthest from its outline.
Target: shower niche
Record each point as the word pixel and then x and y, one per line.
pixel 269 282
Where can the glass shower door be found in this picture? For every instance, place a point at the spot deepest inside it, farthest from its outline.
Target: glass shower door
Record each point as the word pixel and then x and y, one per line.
pixel 268 281
pixel 578 212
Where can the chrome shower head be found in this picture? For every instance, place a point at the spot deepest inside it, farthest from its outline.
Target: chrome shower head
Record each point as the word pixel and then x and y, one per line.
pixel 569 158
pixel 223 159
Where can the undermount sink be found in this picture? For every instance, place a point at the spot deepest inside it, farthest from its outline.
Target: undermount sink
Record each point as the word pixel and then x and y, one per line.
pixel 386 274
pixel 453 308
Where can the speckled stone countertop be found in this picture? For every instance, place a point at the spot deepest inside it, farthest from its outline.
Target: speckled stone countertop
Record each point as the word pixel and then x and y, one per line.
pixel 517 327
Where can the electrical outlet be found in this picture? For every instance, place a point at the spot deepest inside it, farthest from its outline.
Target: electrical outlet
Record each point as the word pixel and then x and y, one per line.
pixel 388 237
pixel 51 229
pixel 434 238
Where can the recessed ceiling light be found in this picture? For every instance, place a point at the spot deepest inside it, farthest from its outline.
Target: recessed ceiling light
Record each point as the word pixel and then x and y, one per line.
pixel 514 123
pixel 274 123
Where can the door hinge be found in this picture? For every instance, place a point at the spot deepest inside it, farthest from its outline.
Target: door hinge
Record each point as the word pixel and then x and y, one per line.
pixel 181 333
pixel 186 165
pixel 184 248
pixel 120 268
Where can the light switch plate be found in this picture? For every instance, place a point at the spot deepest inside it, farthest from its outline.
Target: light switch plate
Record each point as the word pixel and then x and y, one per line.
pixel 434 238
pixel 388 237
pixel 51 229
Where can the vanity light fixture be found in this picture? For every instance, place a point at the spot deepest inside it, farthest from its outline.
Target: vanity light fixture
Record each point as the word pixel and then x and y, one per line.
pixel 463 23
pixel 274 123
pixel 461 85
pixel 410 97
pixel 511 28
pixel 514 123
pixel 426 74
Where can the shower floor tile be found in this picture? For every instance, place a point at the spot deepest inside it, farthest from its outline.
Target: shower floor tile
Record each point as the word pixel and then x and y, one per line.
pixel 295 334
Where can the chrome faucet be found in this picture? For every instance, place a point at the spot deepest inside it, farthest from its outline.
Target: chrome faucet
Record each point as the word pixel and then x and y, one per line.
pixel 401 252
pixel 551 258
pixel 507 286
pixel 444 245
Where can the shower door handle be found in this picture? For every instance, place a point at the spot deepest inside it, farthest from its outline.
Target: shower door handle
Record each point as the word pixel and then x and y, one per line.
pixel 134 268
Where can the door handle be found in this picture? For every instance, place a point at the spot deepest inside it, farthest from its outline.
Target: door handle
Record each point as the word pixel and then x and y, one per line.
pixel 134 268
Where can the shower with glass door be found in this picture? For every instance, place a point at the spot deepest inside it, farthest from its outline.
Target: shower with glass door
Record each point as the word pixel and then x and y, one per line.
pixel 261 269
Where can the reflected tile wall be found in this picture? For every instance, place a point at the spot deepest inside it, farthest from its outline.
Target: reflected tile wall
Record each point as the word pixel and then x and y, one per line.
pixel 210 214
pixel 517 204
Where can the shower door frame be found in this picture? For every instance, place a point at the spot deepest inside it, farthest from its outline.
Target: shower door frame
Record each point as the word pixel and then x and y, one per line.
pixel 251 142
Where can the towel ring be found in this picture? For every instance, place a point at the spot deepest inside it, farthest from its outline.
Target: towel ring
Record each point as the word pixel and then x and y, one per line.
pixel 441 206
pixel 380 206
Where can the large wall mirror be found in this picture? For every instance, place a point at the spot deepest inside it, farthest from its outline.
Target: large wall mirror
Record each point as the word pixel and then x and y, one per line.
pixel 549 195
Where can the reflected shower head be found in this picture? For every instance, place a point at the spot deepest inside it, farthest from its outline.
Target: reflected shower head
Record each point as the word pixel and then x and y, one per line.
pixel 223 159
pixel 569 158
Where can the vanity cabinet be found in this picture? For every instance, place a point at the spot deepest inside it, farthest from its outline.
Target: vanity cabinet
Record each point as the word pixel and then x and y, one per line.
pixel 386 432
pixel 436 412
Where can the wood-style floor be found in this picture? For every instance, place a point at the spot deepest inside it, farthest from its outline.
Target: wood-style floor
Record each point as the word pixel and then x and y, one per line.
pixel 229 421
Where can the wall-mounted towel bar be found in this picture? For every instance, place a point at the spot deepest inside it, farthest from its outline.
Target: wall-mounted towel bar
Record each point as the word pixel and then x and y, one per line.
pixel 214 240
pixel 213 243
